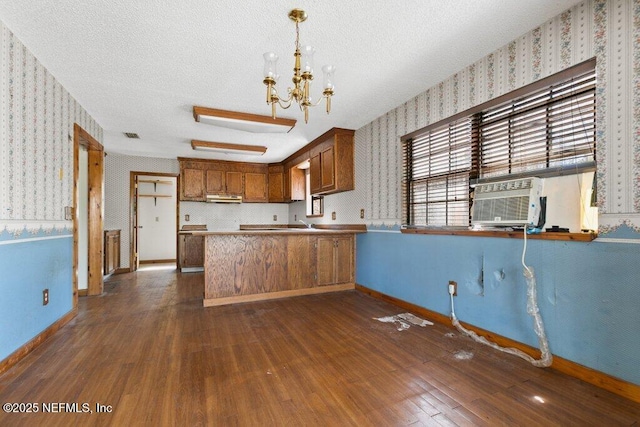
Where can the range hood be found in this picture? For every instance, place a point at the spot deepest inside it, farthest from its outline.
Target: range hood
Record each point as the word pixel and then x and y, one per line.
pixel 223 198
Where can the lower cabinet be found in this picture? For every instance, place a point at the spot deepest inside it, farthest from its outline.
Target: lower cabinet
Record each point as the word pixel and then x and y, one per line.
pixel 257 266
pixel 335 260
pixel 111 251
pixel 191 253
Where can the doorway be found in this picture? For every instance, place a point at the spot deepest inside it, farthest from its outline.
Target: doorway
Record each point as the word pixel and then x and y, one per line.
pixel 88 242
pixel 154 218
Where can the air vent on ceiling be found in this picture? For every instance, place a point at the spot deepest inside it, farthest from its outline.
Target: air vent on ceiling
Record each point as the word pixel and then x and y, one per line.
pixel 131 135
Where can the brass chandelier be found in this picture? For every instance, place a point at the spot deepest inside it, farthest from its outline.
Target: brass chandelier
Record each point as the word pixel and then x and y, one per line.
pixel 302 76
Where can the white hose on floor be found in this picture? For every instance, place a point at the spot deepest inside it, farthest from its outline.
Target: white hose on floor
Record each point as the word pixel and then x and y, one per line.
pixel 532 309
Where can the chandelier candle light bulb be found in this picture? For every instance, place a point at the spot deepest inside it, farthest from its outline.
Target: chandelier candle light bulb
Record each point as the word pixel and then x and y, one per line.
pixel 302 76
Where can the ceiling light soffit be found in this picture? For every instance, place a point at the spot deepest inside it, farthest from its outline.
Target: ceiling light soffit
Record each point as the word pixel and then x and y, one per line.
pixel 223 147
pixel 242 121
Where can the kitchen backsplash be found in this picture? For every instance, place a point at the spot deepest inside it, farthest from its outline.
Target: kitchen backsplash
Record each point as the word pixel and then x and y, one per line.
pixel 229 216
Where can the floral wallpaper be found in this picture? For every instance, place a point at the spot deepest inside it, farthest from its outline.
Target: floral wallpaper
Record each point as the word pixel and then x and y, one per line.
pixel 36 151
pixel 608 30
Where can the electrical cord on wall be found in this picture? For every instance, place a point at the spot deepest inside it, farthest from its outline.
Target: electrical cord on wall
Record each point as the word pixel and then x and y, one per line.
pixel 532 309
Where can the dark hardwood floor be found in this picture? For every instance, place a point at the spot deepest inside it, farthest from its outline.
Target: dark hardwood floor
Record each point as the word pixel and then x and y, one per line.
pixel 148 348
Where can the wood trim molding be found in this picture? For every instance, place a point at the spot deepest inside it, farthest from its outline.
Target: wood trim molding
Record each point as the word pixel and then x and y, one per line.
pixel 575 237
pixel 212 302
pixel 600 379
pixel 83 292
pixel 157 261
pixel 23 351
pixel 354 227
pixel 95 179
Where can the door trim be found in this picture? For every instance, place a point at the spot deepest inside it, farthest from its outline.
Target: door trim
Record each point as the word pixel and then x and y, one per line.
pixel 95 178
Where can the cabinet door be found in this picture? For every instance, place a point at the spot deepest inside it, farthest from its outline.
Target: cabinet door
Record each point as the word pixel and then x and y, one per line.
pixel 325 265
pixel 215 182
pixel 315 174
pixel 328 169
pixel 301 261
pixel 234 183
pixel 343 257
pixel 111 251
pixel 192 184
pixel 276 187
pixel 193 253
pixel 298 184
pixel 255 187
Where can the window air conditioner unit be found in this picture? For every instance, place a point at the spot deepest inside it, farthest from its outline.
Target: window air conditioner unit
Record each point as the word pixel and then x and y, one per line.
pixel 507 203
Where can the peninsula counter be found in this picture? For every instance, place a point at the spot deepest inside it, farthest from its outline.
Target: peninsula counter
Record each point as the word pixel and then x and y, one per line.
pixel 260 264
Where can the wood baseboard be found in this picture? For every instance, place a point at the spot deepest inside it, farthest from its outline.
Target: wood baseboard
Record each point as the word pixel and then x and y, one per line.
pixel 600 379
pixel 212 302
pixel 157 261
pixel 83 292
pixel 23 351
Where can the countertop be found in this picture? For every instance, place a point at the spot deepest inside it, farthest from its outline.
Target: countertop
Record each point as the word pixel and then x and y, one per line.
pixel 279 231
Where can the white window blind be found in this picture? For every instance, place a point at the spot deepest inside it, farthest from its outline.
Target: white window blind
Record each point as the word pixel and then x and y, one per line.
pixel 552 128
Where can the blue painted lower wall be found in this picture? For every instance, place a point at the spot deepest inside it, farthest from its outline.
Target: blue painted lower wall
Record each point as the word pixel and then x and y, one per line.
pixel 588 293
pixel 26 268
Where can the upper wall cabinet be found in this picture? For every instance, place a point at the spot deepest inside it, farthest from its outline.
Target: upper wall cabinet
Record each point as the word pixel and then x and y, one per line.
pixel 255 187
pixel 331 162
pixel 222 182
pixel 276 184
pixel 192 184
pixel 286 183
pixel 200 178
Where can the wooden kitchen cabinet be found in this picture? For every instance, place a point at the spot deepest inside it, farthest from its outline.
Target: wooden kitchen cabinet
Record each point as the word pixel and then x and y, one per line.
pixel 297 184
pixel 111 251
pixel 192 185
pixel 294 183
pixel 253 265
pixel 276 184
pixel 199 178
pixel 315 174
pixel 255 187
pixel 301 261
pixel 221 182
pixel 190 252
pixel 335 260
pixel 331 162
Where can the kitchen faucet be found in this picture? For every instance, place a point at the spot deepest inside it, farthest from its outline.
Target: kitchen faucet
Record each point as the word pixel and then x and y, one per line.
pixel 308 225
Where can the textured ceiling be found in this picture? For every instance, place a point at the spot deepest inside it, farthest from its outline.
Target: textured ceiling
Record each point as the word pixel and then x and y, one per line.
pixel 140 65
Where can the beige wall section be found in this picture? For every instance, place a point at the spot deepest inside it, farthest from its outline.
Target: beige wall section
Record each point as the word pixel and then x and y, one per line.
pixel 215 216
pixel 600 28
pixel 36 146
